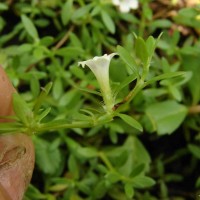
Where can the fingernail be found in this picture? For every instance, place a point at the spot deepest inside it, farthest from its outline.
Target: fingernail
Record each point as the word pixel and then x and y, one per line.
pixel 11 156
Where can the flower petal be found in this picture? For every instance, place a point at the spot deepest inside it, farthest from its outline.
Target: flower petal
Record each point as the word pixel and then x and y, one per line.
pixel 99 65
pixel 126 5
pixel 116 2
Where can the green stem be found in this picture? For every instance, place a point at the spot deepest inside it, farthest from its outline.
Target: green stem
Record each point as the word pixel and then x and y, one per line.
pixel 106 161
pixel 146 69
pixel 142 24
pixel 132 93
pixel 51 126
pixel 61 124
pixel 139 85
pixel 111 168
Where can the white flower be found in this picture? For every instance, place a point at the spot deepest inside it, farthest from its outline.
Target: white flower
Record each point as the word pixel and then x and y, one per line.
pixel 99 65
pixel 126 5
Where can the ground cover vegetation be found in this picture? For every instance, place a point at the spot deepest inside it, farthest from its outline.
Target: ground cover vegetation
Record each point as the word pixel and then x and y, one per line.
pixel 126 126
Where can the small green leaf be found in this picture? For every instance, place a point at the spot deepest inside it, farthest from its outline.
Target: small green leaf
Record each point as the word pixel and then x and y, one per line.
pixel 161 23
pixel 34 193
pixel 57 89
pixel 66 12
pixel 131 121
pixel 57 188
pixel 166 116
pixel 30 28
pixel 113 177
pixel 197 184
pixel 21 108
pixel 150 45
pixel 165 76
pixel 81 12
pixel 48 156
pixel 3 6
pixel 73 166
pixel 24 48
pixel 192 63
pixel 35 86
pixel 107 20
pixel 87 152
pixel 84 187
pixel 141 50
pixel 38 52
pixel 42 97
pixel 87 90
pixel 71 52
pixel 99 190
pixel 11 127
pixel 178 80
pixel 143 181
pixel 195 150
pixel 128 59
pixel 43 114
pixel 46 41
pixel 129 190
pixel 138 169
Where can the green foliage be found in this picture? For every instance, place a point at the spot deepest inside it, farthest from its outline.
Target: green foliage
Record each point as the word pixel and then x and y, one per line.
pixel 166 117
pixel 132 122
pixel 138 149
pixel 48 156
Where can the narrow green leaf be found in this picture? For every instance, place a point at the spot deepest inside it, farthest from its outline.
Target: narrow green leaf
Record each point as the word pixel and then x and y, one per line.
pixel 165 76
pixel 143 182
pixel 178 80
pixel 87 152
pixel 57 89
pixel 81 12
pixel 100 190
pixel 129 190
pixel 192 63
pixel 113 177
pixel 46 41
pixel 195 150
pixel 66 12
pixel 35 86
pixel 44 114
pixel 21 108
pixel 150 45
pixel 141 50
pixel 45 91
pixel 161 23
pixel 11 128
pixel 128 59
pixel 30 28
pixel 138 169
pixel 73 166
pixel 34 193
pixel 197 184
pixel 107 20
pixel 131 121
pixel 25 48
pixel 88 91
pixel 48 156
pixel 71 52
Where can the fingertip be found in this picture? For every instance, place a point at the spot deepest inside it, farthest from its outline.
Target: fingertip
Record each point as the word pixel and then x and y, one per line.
pixel 3 194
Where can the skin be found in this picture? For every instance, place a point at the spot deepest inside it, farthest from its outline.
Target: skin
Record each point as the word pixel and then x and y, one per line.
pixel 16 151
